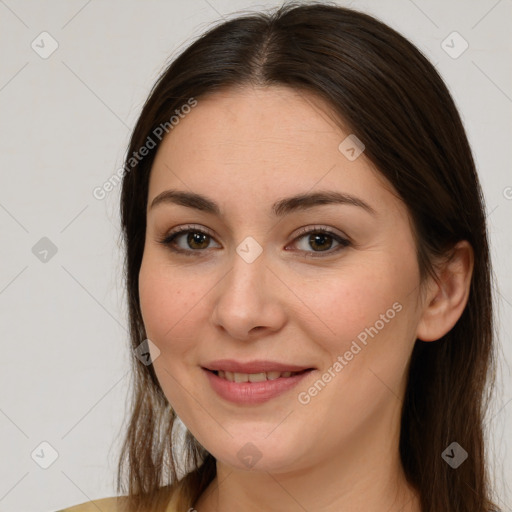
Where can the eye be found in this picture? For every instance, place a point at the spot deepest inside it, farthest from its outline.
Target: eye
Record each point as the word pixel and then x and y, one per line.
pixel 198 240
pixel 321 238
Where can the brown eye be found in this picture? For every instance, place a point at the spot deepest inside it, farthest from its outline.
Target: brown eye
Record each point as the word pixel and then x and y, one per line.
pixel 197 237
pixel 321 240
pixel 196 240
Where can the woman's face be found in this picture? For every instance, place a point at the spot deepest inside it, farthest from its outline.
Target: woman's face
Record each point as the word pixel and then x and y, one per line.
pixel 256 288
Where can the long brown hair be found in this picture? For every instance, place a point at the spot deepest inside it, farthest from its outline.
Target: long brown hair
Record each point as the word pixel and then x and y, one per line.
pixel 393 100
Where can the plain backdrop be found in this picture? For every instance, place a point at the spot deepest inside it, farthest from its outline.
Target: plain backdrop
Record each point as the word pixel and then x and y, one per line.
pixel 64 125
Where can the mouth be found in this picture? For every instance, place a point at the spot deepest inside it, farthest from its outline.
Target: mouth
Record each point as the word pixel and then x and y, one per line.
pixel 254 388
pixel 255 377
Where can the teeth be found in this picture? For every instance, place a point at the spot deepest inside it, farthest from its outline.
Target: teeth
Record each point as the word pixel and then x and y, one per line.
pixel 252 377
pixel 241 377
pixel 257 377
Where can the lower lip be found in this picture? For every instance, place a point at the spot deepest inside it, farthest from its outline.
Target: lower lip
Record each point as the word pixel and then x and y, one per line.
pixel 253 392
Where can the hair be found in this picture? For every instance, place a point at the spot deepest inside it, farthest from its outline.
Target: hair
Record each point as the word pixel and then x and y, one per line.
pixel 393 99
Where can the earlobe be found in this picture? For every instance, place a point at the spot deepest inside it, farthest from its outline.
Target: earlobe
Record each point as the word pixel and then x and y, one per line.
pixel 447 298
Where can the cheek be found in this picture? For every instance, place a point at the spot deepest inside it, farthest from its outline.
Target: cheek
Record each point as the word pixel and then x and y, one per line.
pixel 349 303
pixel 365 316
pixel 170 302
pixel 155 300
pixel 167 303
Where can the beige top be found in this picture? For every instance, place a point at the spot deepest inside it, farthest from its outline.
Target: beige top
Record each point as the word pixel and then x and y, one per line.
pixel 103 505
pixel 111 505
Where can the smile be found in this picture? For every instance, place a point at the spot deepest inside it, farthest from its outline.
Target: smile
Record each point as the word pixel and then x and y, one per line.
pixel 253 388
pixel 254 377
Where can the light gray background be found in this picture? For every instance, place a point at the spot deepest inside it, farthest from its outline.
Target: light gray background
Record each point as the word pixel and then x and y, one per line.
pixel 64 126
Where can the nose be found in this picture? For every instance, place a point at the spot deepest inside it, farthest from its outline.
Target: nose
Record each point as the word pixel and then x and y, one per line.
pixel 249 300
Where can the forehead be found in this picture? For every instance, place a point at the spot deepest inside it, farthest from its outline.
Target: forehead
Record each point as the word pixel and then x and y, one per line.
pixel 266 122
pixel 255 144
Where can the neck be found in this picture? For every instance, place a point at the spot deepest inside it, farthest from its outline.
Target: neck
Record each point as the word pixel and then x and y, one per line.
pixel 366 474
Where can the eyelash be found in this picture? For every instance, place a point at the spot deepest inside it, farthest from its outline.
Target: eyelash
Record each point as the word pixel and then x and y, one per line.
pixel 169 239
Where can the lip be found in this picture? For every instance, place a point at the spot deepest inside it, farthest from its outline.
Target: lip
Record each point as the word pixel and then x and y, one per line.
pixel 256 366
pixel 247 393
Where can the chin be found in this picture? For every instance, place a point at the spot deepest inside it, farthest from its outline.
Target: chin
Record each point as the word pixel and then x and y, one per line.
pixel 258 455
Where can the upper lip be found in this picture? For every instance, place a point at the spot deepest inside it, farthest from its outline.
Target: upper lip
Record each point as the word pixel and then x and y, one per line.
pixel 256 366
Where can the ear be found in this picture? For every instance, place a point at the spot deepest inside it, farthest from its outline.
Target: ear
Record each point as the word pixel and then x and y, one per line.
pixel 447 298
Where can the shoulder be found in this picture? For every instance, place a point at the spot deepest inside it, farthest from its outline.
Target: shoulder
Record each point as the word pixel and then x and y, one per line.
pixel 104 504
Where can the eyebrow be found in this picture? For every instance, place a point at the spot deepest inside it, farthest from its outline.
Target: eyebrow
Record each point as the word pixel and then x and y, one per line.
pixel 280 208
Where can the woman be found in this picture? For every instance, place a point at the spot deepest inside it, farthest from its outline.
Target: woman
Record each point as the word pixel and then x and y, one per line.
pixel 308 277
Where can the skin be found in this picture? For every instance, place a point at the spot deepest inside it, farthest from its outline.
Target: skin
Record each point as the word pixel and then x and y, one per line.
pixel 246 149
